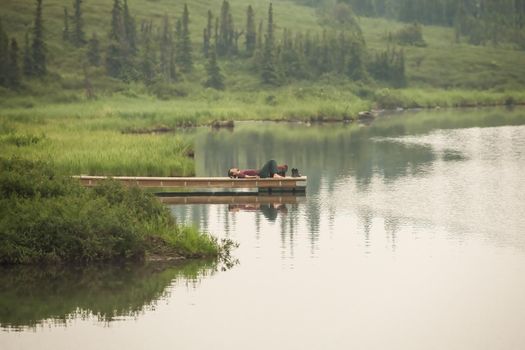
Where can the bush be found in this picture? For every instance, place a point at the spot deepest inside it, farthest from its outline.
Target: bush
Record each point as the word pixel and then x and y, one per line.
pixel 411 34
pixel 389 99
pixel 49 217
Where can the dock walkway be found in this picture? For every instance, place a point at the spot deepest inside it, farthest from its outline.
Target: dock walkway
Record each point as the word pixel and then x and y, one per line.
pixel 190 184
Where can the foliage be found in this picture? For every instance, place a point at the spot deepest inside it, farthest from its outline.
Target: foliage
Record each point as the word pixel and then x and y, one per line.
pixel 251 34
pixel 4 56
pixel 38 47
pixel 411 34
pixel 215 79
pixel 184 47
pixel 48 217
pixel 268 70
pixel 93 52
pixel 389 66
pixel 78 37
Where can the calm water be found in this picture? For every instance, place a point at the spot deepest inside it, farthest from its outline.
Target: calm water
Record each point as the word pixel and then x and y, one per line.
pixel 411 236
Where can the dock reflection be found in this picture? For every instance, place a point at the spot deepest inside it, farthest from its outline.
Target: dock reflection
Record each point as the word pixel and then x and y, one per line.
pixel 243 201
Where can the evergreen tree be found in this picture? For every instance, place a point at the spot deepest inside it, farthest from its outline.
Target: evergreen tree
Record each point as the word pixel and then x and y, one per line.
pixel 225 40
pixel 289 59
pixel 114 59
pixel 216 34
pixel 167 63
pixel 207 35
pixel 147 64
pixel 268 70
pixel 186 59
pixel 178 43
pixel 38 48
pixel 356 68
pixel 79 37
pixel 325 59
pixel 65 30
pixel 28 60
pixel 93 52
pixel 214 79
pixel 14 75
pixel 4 55
pixel 251 35
pixel 389 66
pixel 259 47
pixel 205 43
pixel 122 46
pixel 130 30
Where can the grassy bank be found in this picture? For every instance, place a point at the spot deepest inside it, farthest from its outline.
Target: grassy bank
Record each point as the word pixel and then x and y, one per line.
pixel 46 217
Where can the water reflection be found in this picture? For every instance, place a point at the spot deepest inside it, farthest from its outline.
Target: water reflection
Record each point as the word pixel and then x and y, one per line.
pixel 269 210
pixel 32 295
pixel 416 169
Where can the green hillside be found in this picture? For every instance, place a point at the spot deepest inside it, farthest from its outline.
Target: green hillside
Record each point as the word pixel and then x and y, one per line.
pixel 444 71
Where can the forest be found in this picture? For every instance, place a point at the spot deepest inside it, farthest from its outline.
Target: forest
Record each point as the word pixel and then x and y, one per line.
pixel 363 46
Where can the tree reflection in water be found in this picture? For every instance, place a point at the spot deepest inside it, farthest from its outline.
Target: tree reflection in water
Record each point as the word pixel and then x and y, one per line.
pixel 30 295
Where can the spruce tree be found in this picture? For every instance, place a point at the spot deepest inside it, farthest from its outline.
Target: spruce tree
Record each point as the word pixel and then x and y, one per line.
pixel 65 31
pixel 207 35
pixel 93 52
pixel 258 54
pixel 225 37
pixel 233 37
pixel 130 30
pixel 290 63
pixel 214 79
pixel 28 60
pixel 4 56
pixel 268 70
pixel 167 67
pixel 13 74
pixel 251 35
pixel 115 51
pixel 205 43
pixel 38 47
pixel 185 56
pixel 178 43
pixel 147 66
pixel 356 68
pixel 79 37
pixel 216 35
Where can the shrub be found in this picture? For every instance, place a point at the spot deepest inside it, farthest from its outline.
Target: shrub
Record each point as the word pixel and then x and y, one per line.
pixel 49 217
pixel 411 34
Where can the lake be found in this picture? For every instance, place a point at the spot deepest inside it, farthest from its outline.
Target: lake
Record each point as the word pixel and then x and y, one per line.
pixel 411 235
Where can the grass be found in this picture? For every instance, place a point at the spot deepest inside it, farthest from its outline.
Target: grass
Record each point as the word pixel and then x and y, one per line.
pixel 47 217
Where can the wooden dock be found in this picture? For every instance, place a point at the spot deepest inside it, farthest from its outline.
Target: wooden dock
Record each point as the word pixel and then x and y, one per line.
pixel 191 184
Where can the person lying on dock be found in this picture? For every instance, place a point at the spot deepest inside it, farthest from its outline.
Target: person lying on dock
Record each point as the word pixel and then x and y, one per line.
pixel 269 170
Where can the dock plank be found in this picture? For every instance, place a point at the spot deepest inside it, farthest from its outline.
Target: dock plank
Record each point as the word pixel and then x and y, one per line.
pixel 292 184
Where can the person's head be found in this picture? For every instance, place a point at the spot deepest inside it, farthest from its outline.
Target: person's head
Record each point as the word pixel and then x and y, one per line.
pixel 282 169
pixel 233 172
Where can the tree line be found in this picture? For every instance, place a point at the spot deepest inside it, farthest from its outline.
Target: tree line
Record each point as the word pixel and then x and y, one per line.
pixel 34 57
pixel 480 21
pixel 164 53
